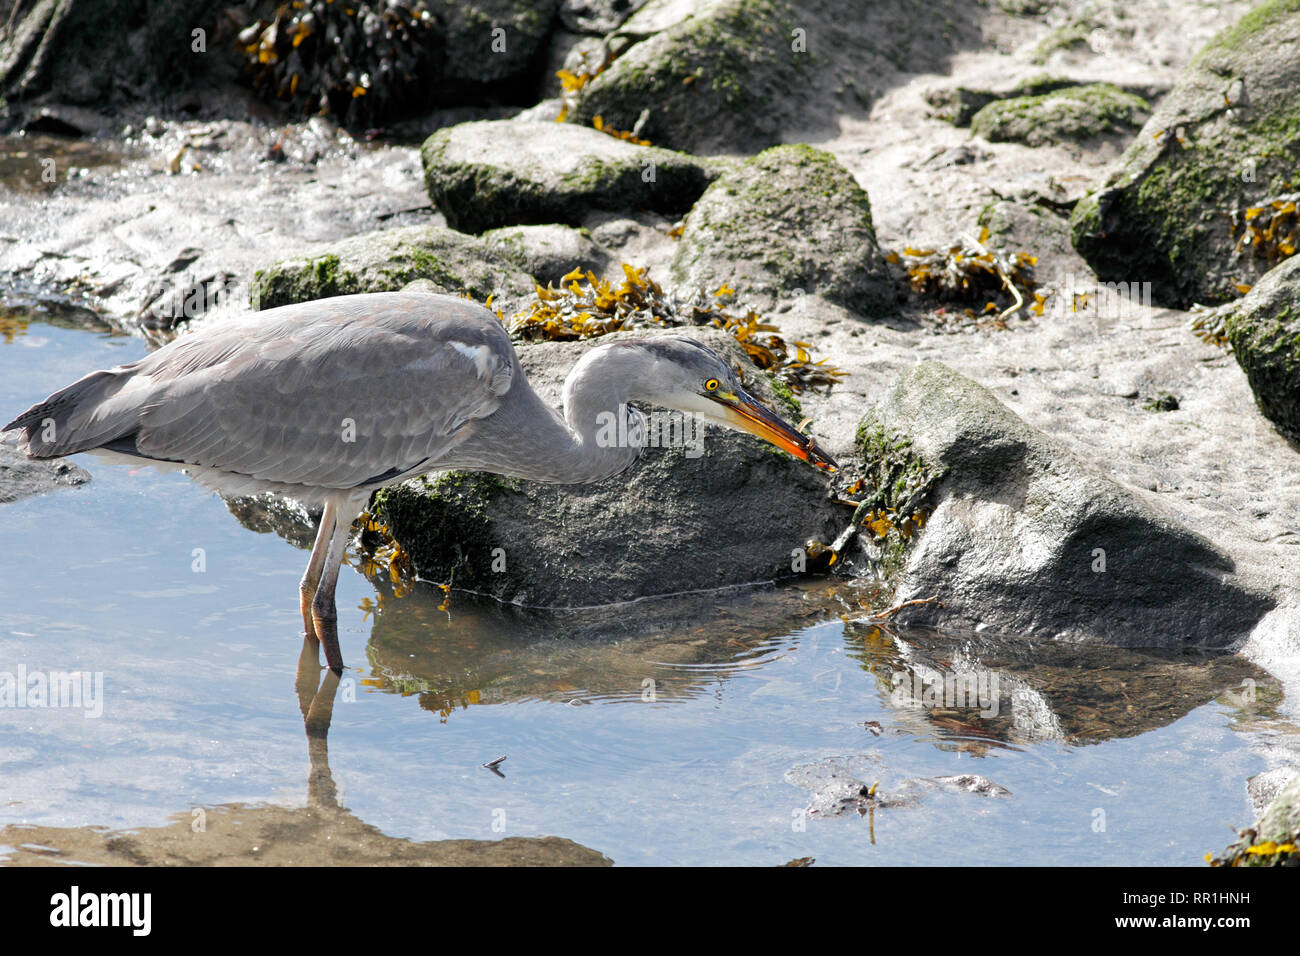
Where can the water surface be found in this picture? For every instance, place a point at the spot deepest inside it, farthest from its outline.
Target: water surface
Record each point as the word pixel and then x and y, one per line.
pixel 656 733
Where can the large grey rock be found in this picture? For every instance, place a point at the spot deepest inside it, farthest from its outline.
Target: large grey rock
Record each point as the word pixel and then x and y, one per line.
pixel 789 220
pixel 741 75
pixel 1264 329
pixel 20 476
pixel 671 523
pixel 1226 138
pixel 1072 114
pixel 388 260
pixel 494 173
pixel 1028 541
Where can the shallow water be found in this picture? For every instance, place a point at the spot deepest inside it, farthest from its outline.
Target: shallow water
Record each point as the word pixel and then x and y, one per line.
pixel 655 733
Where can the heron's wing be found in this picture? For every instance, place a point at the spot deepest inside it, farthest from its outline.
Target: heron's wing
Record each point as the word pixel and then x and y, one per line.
pixel 337 393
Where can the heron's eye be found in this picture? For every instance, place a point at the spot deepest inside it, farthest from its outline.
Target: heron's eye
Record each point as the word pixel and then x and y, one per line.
pixel 711 385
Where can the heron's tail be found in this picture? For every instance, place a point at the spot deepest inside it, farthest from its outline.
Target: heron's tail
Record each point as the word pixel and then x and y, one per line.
pixel 76 418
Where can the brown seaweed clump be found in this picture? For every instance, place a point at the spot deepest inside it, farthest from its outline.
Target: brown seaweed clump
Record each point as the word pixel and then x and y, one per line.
pixel 971 270
pixel 585 307
pixel 361 62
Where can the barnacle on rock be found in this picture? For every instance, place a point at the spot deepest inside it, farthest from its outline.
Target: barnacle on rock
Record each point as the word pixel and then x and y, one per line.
pixel 585 307
pixel 970 270
pixel 361 61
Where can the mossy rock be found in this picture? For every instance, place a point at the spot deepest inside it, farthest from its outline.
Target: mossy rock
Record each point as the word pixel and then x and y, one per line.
pixel 387 261
pixel 671 523
pixel 737 76
pixel 1225 138
pixel 1072 113
pixel 959 104
pixel 789 220
pixel 494 173
pixel 1264 330
pixel 722 79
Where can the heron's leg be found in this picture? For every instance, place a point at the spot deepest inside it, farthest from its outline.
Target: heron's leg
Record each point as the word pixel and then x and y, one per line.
pixel 323 612
pixel 311 578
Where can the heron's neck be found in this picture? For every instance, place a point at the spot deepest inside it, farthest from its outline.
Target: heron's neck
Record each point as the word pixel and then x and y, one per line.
pixel 606 433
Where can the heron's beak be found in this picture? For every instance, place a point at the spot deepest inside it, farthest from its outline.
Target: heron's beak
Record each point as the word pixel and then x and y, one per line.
pixel 746 414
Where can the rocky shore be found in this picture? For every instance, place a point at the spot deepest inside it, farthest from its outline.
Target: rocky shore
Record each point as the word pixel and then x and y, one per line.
pixel 1050 246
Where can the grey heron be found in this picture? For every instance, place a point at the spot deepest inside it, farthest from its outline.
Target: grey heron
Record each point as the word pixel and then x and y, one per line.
pixel 325 401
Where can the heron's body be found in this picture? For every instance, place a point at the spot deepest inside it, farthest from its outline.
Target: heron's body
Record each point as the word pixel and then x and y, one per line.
pixel 326 401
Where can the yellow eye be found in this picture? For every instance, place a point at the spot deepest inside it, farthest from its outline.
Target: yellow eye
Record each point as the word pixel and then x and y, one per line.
pixel 711 385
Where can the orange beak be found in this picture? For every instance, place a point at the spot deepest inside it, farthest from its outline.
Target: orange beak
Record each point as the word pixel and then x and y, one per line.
pixel 747 414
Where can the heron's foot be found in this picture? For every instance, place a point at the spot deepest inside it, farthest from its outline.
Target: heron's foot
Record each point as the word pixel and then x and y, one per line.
pixel 306 596
pixel 326 624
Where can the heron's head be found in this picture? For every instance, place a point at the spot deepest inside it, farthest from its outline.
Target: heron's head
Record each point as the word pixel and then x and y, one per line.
pixel 679 373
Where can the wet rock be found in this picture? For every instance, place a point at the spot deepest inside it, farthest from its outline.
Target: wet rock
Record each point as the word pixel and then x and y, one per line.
pixel 20 476
pixel 1225 139
pixel 835 791
pixel 501 173
pixel 1074 114
pixel 95 51
pixel 389 260
pixel 1027 540
pixel 547 253
pixel 731 514
pixel 838 789
pixel 490 41
pixel 1264 329
pixel 1273 840
pixel 791 220
pixel 597 17
pixel 742 75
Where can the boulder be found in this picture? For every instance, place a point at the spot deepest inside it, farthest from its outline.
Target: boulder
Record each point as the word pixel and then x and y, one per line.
pixel 791 220
pixel 1264 330
pixel 547 253
pixel 1028 541
pixel 388 260
pixel 493 173
pixel 676 521
pixel 1224 140
pixel 738 76
pixel 1072 114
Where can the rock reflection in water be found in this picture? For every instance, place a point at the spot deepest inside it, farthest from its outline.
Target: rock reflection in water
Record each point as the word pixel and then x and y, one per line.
pixel 970 691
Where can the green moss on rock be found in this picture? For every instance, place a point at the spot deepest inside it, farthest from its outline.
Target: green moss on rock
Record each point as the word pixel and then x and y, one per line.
pixel 1225 138
pixel 791 220
pixel 1073 113
pixel 388 260
pixel 1264 330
